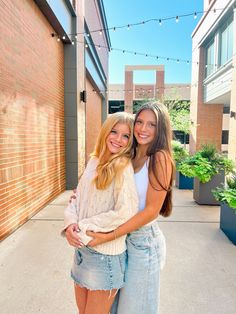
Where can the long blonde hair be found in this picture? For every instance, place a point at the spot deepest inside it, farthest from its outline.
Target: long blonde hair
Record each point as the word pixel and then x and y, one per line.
pixel 110 169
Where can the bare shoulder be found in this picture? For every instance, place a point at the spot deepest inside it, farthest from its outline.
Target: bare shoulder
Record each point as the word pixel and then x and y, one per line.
pixel 163 157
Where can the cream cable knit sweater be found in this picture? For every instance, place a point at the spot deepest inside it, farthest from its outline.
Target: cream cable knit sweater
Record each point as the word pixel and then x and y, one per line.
pixel 103 210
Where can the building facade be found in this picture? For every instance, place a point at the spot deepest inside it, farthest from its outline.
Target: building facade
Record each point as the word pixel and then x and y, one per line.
pixel 213 91
pixel 122 97
pixel 46 103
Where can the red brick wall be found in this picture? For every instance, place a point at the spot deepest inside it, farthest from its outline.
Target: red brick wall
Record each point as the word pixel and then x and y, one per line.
pixel 129 96
pixel 32 159
pixel 93 117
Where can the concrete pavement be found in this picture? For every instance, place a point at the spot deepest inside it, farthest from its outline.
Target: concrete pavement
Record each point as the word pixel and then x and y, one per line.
pixel 199 276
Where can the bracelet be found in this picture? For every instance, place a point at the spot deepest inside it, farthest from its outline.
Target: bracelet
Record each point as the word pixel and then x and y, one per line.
pixel 115 235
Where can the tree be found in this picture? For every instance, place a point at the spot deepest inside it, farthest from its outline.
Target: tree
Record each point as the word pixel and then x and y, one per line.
pixel 180 116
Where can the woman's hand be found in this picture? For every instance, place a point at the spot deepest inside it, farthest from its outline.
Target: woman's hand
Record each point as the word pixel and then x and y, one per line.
pixel 73 196
pixel 72 236
pixel 99 237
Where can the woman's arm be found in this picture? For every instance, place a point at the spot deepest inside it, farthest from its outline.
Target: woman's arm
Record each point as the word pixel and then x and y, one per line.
pixel 126 205
pixel 71 229
pixel 154 201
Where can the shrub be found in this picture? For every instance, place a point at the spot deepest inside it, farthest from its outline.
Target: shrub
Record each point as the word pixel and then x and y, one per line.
pixel 205 164
pixel 227 194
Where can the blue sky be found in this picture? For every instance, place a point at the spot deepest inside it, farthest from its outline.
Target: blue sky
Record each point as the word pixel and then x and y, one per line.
pixel 171 39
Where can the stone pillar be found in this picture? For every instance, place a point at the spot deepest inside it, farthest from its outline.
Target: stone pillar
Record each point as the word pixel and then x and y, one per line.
pixel 206 118
pixel 160 83
pixel 129 91
pixel 74 108
pixel 232 121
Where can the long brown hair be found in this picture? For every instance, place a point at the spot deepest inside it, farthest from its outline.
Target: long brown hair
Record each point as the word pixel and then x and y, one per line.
pixel 162 145
pixel 110 169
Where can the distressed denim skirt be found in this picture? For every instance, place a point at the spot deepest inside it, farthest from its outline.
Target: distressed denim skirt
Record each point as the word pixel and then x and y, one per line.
pixel 96 271
pixel 146 257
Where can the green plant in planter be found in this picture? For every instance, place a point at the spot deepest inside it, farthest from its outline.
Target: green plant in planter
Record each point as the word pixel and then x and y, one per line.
pixel 227 194
pixel 179 152
pixel 205 164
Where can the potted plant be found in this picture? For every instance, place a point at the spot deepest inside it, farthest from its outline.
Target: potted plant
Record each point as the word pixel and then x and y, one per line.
pixel 208 167
pixel 180 154
pixel 226 195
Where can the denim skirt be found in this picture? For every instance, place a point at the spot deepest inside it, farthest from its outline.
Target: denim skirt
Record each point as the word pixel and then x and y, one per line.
pixel 96 271
pixel 146 257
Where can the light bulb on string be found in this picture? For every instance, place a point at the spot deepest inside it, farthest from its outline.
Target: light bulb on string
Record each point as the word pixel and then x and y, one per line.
pixel 195 15
pixel 100 32
pixel 177 19
pixel 160 22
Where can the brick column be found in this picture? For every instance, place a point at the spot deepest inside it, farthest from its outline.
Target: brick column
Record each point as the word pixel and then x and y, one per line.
pixel 206 118
pixel 129 91
pixel 160 78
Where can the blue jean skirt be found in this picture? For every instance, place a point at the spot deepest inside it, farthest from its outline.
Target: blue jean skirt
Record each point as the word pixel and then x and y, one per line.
pixel 96 271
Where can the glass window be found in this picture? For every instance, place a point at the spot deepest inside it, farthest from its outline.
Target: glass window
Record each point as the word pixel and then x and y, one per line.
pixel 225 137
pixel 181 137
pixel 226 43
pixel 226 109
pixel 115 106
pixel 210 58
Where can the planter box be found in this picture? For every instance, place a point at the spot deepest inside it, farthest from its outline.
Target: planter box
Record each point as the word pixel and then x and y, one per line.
pixel 228 222
pixel 182 182
pixel 202 191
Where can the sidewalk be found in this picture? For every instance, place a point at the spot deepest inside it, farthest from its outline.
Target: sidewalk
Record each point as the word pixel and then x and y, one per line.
pixel 199 276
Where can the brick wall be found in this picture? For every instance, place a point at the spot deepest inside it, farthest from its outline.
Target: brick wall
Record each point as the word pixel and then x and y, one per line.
pixel 32 159
pixel 93 117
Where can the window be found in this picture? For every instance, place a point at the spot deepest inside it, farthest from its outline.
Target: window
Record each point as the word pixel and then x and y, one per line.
pixel 225 137
pixel 181 137
pixel 226 42
pixel 226 109
pixel 116 106
pixel 210 58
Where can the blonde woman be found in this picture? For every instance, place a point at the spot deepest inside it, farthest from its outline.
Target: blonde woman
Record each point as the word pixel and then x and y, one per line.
pixel 153 168
pixel 106 197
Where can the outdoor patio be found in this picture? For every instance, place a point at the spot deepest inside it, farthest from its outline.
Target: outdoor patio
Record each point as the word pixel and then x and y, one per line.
pixel 199 277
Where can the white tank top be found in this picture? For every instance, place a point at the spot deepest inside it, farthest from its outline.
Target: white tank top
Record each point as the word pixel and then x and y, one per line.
pixel 141 181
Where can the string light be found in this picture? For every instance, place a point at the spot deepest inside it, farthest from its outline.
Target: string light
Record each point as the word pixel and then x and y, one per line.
pixel 159 20
pixel 143 91
pixel 178 60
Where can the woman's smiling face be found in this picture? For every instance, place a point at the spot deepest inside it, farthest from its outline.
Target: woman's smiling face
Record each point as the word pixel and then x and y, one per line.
pixel 118 138
pixel 145 127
